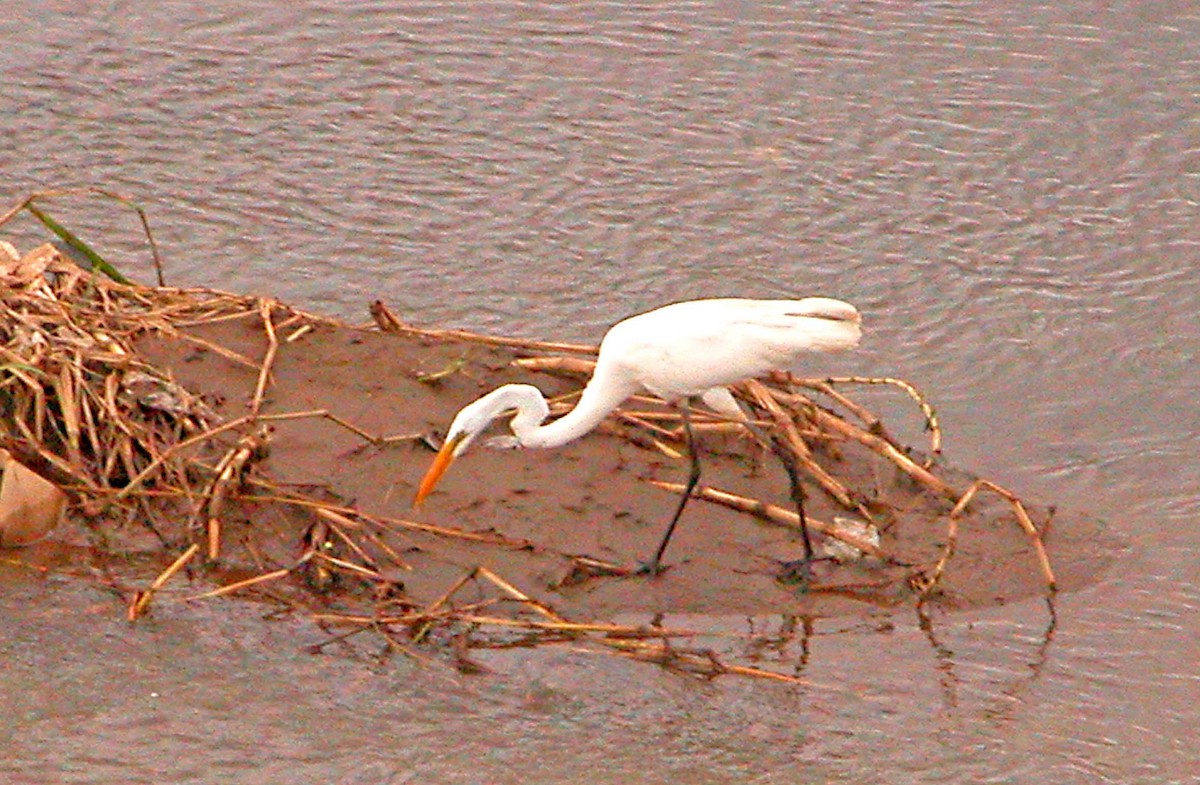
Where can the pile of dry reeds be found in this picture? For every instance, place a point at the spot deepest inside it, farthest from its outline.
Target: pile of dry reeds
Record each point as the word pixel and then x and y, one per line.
pixel 130 447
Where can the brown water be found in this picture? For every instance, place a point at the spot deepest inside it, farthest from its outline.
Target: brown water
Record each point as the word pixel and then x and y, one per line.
pixel 1009 192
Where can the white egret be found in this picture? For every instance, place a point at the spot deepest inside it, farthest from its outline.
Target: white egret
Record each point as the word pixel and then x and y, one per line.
pixel 678 352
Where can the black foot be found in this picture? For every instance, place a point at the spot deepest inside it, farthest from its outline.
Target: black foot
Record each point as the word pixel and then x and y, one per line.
pixel 651 568
pixel 796 573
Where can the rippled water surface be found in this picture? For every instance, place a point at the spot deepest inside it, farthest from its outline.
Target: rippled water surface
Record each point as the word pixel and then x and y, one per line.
pixel 1009 192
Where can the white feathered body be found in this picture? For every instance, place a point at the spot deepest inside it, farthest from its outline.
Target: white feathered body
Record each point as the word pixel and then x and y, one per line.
pixel 695 348
pixel 685 349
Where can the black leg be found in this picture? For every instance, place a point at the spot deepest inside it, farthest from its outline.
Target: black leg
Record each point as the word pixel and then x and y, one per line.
pixel 796 572
pixel 793 571
pixel 653 567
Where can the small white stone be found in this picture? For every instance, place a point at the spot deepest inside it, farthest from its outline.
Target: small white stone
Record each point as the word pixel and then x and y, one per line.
pixel 842 551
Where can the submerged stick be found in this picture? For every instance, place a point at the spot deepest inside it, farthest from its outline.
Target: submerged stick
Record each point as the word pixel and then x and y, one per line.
pixel 615 630
pixel 426 617
pixel 929 582
pixel 698 663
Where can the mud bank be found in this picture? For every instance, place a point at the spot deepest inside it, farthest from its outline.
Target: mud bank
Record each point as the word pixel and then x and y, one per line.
pixel 590 498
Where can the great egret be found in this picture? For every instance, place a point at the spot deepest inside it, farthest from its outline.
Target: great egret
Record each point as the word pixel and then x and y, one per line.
pixel 678 352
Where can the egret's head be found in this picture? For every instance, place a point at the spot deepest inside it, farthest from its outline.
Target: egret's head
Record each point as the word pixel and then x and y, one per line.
pixel 473 420
pixel 466 427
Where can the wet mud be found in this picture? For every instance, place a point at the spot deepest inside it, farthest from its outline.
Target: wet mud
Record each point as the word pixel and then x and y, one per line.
pixel 529 514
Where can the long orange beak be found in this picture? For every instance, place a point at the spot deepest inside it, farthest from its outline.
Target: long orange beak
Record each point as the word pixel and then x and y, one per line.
pixel 441 462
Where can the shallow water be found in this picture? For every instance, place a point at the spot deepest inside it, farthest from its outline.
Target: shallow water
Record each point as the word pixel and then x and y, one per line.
pixel 1008 191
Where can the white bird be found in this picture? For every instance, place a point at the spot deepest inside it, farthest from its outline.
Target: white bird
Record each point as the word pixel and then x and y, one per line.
pixel 678 352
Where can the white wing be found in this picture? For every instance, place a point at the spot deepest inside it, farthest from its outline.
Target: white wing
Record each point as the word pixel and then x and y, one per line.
pixel 686 348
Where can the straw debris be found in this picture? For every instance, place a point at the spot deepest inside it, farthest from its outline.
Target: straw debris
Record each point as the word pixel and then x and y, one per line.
pixel 126 446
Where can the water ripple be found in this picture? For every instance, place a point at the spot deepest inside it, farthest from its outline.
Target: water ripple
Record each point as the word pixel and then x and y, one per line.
pixel 1008 191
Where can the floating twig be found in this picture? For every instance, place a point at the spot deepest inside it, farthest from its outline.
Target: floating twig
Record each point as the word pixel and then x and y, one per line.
pixel 141 600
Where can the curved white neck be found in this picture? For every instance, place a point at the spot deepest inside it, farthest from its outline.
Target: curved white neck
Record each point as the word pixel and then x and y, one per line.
pixel 599 398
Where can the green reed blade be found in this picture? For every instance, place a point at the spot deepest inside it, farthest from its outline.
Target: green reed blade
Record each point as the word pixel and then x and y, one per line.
pixel 68 237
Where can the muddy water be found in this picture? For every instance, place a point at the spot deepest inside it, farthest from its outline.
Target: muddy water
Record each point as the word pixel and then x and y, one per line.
pixel 1007 190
